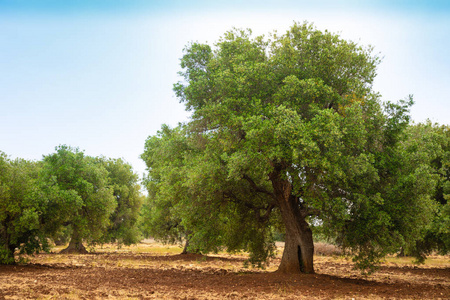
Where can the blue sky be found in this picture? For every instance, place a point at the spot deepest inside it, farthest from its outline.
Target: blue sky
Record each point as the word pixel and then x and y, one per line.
pixel 98 74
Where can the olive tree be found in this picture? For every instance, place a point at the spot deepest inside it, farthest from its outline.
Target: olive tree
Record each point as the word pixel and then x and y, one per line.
pixel 429 144
pixel 85 200
pixel 21 211
pixel 288 130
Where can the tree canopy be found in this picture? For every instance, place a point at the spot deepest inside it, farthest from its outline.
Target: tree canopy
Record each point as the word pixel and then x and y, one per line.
pixel 91 200
pixel 287 130
pixel 430 144
pixel 22 211
pixel 123 227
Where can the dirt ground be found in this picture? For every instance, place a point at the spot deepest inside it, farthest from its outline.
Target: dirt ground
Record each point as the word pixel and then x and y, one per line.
pixel 156 271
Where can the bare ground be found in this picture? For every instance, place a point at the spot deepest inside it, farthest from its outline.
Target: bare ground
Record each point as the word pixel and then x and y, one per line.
pixel 155 271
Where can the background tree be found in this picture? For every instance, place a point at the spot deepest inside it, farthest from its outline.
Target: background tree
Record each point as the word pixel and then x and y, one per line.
pixel 163 209
pixel 85 199
pixel 430 144
pixel 124 182
pixel 21 211
pixel 288 129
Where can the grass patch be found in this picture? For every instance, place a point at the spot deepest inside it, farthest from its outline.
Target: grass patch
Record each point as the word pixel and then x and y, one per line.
pixel 431 261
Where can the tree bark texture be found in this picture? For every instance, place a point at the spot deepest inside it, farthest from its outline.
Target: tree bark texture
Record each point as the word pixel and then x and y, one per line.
pixel 299 247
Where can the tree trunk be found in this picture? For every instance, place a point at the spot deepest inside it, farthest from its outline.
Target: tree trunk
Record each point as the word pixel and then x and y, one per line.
pixel 8 257
pixel 76 244
pixel 299 247
pixel 8 249
pixel 185 249
pixel 12 249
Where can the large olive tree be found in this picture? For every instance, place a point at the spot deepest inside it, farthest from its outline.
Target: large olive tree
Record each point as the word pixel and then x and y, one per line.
pixel 288 130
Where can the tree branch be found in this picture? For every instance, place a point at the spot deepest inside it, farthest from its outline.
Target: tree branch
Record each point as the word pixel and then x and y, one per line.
pixel 256 209
pixel 257 188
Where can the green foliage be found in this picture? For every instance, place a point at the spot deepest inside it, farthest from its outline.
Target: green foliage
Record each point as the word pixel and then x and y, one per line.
pixel 123 227
pixel 161 211
pixel 290 117
pixel 430 145
pixel 174 211
pixel 83 199
pixel 22 211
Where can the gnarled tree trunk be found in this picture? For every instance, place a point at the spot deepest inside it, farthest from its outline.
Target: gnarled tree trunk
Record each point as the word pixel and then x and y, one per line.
pixel 299 247
pixel 76 244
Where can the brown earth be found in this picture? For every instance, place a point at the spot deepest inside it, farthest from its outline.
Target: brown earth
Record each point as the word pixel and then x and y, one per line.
pixel 155 271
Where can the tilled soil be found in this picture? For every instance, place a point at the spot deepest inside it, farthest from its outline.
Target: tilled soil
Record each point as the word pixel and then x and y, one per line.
pixel 173 276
